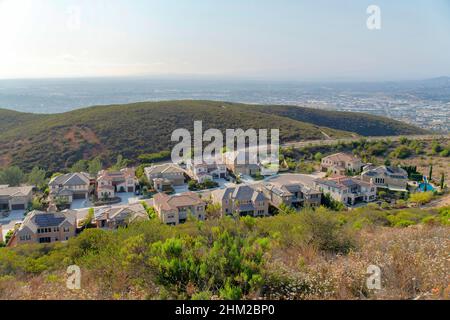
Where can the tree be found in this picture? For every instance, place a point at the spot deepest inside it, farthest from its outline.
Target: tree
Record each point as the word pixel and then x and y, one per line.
pixel 95 166
pixel 89 217
pixel 430 174
pixel 387 162
pixel 79 166
pixel 213 211
pixel 12 176
pixel 120 163
pixel 420 198
pixel 318 156
pixel 37 177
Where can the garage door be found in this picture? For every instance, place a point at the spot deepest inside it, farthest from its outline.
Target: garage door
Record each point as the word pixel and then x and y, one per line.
pixel 18 207
pixel 79 196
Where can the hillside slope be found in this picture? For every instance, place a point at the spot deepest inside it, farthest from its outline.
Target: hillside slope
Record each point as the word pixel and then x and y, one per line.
pixel 57 141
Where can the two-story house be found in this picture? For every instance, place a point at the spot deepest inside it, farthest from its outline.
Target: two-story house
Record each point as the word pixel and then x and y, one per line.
pixel 294 190
pixel 70 186
pixel 175 209
pixel 113 217
pixel 206 170
pixel 341 163
pixel 347 190
pixel 164 177
pixel 45 227
pixel 111 182
pixel 243 200
pixel 392 178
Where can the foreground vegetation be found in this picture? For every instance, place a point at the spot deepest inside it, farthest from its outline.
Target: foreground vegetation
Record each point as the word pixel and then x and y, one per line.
pixel 312 255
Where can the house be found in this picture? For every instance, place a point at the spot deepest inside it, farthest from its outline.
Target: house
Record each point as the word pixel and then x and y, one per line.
pixel 347 190
pixel 242 199
pixel 119 216
pixel 341 163
pixel 45 227
pixel 174 209
pixel 70 186
pixel 207 170
pixel 248 165
pixel 164 176
pixel 392 178
pixel 111 182
pixel 294 190
pixel 15 198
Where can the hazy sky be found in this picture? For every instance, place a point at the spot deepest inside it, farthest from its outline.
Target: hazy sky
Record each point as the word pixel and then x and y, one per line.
pixel 267 39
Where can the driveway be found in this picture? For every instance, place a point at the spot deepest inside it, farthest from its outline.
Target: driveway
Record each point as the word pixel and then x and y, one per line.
pixel 8 223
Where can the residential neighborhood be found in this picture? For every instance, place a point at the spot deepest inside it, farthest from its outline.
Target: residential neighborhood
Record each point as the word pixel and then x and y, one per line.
pixel 112 199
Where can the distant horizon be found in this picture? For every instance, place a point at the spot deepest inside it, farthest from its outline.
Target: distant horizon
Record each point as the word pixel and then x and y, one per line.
pixel 201 77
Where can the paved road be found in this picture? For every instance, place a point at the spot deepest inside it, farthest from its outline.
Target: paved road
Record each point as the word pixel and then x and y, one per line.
pixel 300 144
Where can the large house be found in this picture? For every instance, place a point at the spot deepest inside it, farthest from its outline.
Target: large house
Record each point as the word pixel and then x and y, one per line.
pixel 206 171
pixel 242 162
pixel 15 198
pixel 113 217
pixel 175 209
pixel 393 178
pixel 341 163
pixel 243 200
pixel 164 176
pixel 45 227
pixel 347 190
pixel 111 182
pixel 70 186
pixel 294 190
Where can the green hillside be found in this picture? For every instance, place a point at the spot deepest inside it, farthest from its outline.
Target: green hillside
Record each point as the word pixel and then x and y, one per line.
pixel 57 141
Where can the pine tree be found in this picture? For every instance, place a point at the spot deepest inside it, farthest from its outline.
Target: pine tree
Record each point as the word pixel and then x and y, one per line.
pixel 431 172
pixel 442 180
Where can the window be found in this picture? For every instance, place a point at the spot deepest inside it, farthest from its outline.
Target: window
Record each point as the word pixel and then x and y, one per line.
pixel 66 229
pixel 45 240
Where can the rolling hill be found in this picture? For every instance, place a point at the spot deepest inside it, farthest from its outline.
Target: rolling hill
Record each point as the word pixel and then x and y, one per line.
pixel 56 141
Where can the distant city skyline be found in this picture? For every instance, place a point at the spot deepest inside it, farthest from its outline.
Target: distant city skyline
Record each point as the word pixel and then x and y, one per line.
pixel 239 39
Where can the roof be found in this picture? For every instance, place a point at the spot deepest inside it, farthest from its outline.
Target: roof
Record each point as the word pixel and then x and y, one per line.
pixel 343 182
pixel 71 179
pixel 15 191
pixel 40 219
pixel 163 168
pixel 130 212
pixel 286 184
pixel 240 193
pixel 173 202
pixel 121 175
pixel 341 156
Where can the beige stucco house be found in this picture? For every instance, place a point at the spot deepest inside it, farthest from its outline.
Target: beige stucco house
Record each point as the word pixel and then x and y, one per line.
pixel 15 198
pixel 243 200
pixel 349 191
pixel 113 217
pixel 111 182
pixel 45 227
pixel 294 190
pixel 70 186
pixel 175 209
pixel 165 176
pixel 392 178
pixel 341 163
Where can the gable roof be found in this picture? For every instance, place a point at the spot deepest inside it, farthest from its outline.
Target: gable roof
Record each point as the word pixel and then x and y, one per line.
pixel 40 219
pixel 15 191
pixel 179 200
pixel 341 156
pixel 71 179
pixel 240 193
pixel 163 168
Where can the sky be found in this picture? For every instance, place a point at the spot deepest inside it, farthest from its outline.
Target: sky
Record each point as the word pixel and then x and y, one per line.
pixel 255 39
